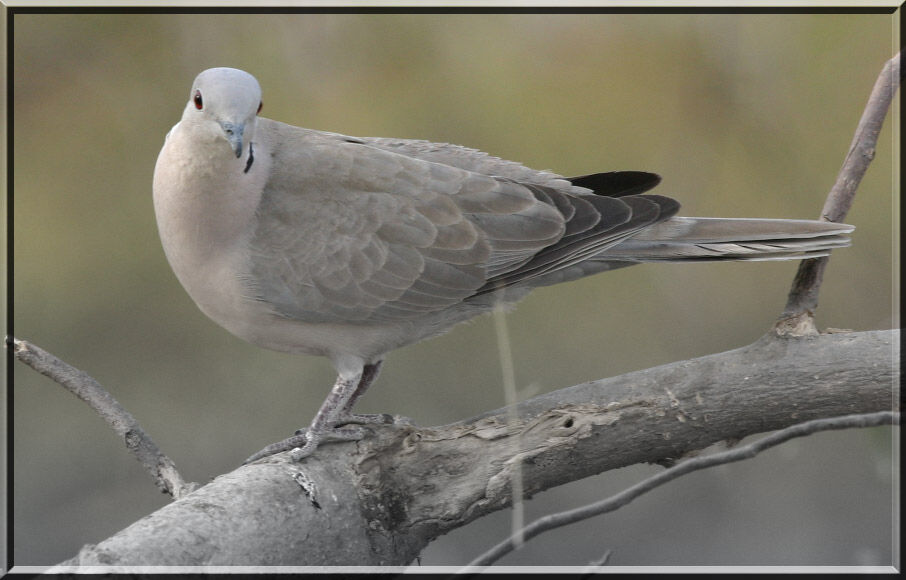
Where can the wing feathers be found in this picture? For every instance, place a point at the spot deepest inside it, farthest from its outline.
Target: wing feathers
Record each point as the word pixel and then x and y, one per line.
pixel 617 183
pixel 615 219
pixel 380 230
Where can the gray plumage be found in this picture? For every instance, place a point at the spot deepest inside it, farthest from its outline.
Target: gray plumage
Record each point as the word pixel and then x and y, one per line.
pixel 314 242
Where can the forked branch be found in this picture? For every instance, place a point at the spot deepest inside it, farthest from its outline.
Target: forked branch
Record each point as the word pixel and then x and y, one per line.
pixel 797 316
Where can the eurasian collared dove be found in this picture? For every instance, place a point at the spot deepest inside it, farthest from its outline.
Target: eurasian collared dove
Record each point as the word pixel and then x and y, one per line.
pixel 311 242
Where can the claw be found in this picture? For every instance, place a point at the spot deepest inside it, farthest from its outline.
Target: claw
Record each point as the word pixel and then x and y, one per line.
pixel 287 444
pixel 302 445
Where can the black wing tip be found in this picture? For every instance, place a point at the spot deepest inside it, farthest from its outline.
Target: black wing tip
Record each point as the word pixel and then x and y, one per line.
pixel 667 206
pixel 617 183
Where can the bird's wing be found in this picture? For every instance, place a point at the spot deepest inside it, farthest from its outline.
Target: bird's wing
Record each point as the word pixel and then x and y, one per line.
pixel 468 159
pixel 351 232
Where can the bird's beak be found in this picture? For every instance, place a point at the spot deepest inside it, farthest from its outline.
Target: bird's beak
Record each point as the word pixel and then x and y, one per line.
pixel 234 136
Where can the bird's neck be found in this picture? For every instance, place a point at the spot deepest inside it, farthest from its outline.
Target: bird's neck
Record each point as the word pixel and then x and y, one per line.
pixel 209 203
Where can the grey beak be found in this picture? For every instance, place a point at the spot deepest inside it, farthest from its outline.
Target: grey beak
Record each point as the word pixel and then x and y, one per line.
pixel 234 136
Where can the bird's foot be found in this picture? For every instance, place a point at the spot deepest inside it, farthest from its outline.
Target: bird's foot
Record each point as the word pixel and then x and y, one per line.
pixel 314 438
pixel 302 444
pixel 346 428
pixel 278 447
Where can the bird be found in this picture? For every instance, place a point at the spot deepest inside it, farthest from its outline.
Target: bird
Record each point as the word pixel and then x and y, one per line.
pixel 312 242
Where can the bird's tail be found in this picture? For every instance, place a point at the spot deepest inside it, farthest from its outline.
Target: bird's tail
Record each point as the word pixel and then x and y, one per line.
pixel 706 239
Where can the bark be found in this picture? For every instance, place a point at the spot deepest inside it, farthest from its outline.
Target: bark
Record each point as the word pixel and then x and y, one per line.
pixel 380 501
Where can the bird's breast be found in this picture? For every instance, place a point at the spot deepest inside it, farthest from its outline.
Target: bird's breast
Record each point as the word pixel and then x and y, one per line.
pixel 205 207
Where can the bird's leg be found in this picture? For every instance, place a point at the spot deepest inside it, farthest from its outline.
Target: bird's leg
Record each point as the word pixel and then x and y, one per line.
pixel 335 420
pixel 370 373
pixel 345 416
pixel 322 428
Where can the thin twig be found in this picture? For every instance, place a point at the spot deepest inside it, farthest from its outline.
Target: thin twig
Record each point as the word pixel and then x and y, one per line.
pixel 552 521
pixel 796 319
pixel 161 467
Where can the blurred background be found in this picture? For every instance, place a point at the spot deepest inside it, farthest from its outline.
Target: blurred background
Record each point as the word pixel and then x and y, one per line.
pixel 744 115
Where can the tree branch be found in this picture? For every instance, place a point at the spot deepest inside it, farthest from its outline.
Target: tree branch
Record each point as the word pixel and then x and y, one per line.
pixel 553 521
pixel 797 316
pixel 162 469
pixel 383 499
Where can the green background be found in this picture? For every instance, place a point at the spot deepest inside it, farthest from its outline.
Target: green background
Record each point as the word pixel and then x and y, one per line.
pixel 746 115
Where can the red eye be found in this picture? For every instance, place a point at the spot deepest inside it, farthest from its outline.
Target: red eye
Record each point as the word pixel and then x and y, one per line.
pixel 260 106
pixel 199 104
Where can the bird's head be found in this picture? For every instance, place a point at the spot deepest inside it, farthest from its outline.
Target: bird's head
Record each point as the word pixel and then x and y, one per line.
pixel 224 104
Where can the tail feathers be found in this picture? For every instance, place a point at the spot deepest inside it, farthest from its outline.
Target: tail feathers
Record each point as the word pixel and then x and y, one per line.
pixel 708 239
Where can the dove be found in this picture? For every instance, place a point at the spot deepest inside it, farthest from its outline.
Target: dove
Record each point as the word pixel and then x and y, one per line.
pixel 318 243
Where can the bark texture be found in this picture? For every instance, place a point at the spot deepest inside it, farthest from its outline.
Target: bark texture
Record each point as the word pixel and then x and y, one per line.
pixel 380 501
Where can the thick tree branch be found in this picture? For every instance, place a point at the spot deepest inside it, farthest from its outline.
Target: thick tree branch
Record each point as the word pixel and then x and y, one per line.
pixel 381 500
pixel 797 316
pixel 554 521
pixel 162 469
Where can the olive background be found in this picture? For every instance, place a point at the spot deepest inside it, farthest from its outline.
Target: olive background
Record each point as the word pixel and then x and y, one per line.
pixel 746 115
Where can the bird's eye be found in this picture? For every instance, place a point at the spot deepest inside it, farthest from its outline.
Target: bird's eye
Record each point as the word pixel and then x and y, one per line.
pixel 199 104
pixel 260 106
